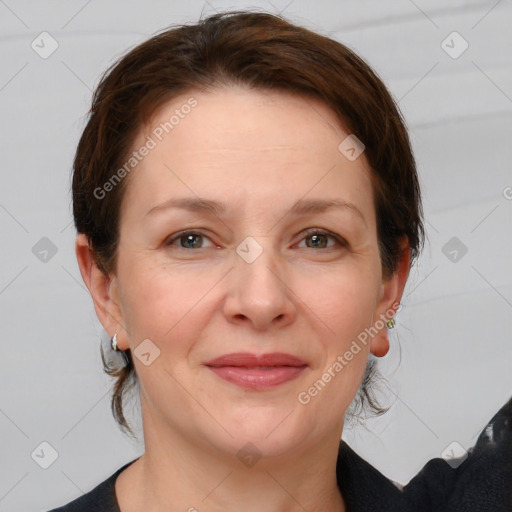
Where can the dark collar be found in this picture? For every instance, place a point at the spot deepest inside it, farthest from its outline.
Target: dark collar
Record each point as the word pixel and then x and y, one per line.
pixel 363 487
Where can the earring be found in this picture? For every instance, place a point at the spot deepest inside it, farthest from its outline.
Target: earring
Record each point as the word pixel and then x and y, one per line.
pixel 391 323
pixel 113 342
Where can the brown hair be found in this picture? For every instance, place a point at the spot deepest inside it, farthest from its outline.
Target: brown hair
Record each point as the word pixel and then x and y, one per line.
pixel 256 50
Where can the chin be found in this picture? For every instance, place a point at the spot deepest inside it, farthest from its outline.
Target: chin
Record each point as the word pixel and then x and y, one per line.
pixel 271 434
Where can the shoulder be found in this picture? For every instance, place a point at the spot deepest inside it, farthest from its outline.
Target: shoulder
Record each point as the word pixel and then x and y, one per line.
pixel 362 486
pixel 100 499
pixel 481 481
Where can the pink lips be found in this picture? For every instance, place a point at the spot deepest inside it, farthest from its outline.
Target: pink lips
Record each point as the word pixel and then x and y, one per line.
pixel 257 372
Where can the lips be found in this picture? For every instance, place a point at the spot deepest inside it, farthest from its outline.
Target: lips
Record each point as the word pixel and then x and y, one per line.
pixel 247 360
pixel 257 372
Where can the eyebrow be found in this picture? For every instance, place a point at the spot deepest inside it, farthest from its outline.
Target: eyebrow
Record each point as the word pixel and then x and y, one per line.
pixel 301 207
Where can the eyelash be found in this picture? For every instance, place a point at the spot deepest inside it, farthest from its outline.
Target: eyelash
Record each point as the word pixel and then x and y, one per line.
pixel 309 232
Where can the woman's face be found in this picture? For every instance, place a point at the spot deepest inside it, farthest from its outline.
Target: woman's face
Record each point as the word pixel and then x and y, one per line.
pixel 259 274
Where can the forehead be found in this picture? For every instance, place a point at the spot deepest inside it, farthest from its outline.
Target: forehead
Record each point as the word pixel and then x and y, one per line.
pixel 246 145
pixel 250 118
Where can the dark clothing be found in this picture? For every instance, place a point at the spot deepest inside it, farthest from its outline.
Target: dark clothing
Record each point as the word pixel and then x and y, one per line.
pixel 482 483
pixel 101 499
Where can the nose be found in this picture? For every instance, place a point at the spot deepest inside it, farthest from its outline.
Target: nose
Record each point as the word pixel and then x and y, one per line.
pixel 260 291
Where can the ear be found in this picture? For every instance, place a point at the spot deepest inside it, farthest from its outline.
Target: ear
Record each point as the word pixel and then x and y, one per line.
pixel 391 292
pixel 103 290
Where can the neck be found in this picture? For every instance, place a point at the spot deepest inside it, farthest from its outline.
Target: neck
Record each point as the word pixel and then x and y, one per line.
pixel 177 473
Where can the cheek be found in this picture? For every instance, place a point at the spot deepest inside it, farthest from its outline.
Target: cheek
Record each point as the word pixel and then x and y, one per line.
pixel 159 300
pixel 343 304
pixel 344 299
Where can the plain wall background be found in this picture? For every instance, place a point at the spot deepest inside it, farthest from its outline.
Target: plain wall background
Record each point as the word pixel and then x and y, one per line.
pixel 454 331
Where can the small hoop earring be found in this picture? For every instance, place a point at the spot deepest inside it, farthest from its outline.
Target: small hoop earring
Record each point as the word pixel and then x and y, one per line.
pixel 113 342
pixel 391 323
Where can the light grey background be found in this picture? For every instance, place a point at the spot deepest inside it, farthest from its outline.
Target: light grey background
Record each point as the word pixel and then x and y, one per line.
pixel 454 330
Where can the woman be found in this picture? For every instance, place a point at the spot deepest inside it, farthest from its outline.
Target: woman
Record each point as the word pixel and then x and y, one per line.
pixel 248 209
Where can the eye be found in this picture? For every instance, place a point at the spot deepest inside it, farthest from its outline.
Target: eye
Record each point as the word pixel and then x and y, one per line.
pixel 188 240
pixel 319 238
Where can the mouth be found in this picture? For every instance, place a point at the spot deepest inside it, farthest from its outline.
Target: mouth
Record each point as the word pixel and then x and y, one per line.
pixel 257 372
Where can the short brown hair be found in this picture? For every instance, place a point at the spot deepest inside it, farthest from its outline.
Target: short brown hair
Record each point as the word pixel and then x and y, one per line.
pixel 261 51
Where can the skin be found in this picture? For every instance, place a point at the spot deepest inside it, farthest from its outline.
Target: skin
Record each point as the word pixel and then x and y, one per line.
pixel 311 300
